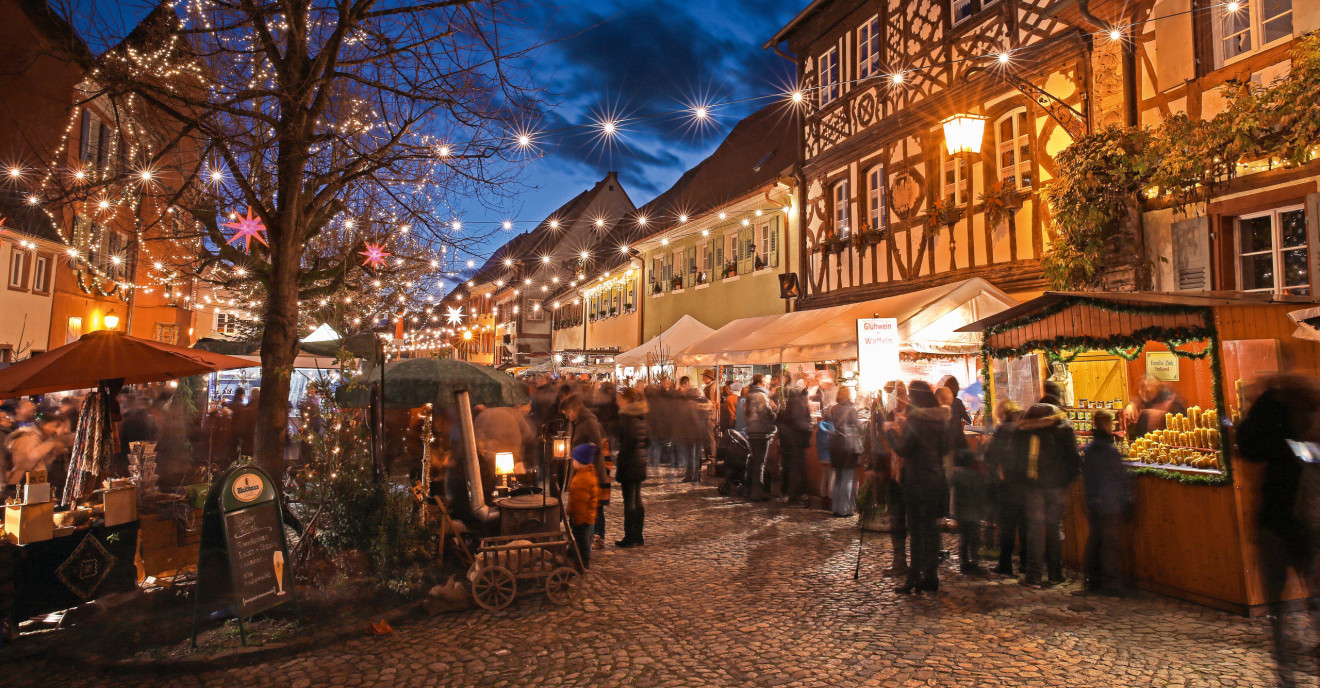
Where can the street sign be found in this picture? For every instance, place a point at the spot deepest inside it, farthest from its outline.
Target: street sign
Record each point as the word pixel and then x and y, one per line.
pixel 243 559
pixel 877 352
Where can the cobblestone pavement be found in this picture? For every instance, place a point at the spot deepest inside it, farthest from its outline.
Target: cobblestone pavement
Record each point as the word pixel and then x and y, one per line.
pixel 733 594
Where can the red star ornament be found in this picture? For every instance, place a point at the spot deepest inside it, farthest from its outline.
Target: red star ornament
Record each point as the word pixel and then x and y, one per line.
pixel 247 229
pixel 376 255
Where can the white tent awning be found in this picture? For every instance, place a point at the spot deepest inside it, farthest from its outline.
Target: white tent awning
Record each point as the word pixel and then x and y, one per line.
pixel 324 333
pixel 679 336
pixel 927 320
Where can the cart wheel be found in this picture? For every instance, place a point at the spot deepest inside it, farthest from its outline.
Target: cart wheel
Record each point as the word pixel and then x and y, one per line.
pixel 563 586
pixel 494 587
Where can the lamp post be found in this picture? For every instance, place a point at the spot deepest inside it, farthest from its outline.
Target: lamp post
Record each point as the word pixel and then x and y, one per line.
pixel 963 135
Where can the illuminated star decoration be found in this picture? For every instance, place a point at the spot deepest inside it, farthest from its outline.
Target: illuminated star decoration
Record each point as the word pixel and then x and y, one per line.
pixel 247 229
pixel 376 255
pixel 455 315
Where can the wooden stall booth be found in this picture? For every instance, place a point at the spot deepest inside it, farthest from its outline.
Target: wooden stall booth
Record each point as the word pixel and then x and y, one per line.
pixel 1175 369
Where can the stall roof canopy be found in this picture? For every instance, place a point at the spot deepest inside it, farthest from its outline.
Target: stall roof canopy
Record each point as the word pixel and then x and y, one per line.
pixel 927 322
pixel 678 337
pixel 1183 299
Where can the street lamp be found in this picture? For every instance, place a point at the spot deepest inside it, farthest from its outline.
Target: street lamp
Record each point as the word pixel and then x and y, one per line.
pixel 962 137
pixel 111 321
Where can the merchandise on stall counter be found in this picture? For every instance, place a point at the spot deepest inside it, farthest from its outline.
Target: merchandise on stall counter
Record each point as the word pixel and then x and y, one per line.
pixel 1190 441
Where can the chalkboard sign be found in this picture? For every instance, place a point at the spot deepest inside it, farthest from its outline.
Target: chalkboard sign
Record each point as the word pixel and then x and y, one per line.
pixel 243 557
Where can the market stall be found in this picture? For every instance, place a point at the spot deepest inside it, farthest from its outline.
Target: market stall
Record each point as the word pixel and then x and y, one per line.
pixel 657 353
pixel 62 548
pixel 1176 368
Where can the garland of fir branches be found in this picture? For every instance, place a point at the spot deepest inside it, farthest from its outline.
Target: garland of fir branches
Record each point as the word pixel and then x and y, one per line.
pixel 1127 347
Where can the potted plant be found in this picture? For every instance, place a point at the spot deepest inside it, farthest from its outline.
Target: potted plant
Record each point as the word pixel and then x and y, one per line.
pixel 731 269
pixel 657 288
pixel 676 283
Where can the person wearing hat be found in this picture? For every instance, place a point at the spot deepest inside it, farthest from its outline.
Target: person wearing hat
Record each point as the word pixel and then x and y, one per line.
pixel 583 498
pixel 923 444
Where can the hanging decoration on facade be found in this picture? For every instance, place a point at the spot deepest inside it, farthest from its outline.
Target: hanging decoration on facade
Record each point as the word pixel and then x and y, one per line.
pixel 248 228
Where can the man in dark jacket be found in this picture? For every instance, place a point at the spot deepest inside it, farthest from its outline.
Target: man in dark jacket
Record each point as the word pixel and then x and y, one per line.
pixel 794 436
pixel 1108 502
pixel 630 467
pixel 1008 474
pixel 1285 410
pixel 923 445
pixel 1050 456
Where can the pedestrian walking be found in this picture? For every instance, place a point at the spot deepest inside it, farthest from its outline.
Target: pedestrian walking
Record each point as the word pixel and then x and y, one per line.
pixel 1108 504
pixel 689 429
pixel 587 430
pixel 969 507
pixel 845 451
pixel 923 444
pixel 1005 463
pixel 583 498
pixel 794 426
pixel 760 429
pixel 1281 430
pixel 630 466
pixel 1052 462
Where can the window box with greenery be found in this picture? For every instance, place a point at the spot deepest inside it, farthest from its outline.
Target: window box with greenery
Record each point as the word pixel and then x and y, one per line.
pixel 701 278
pixel 676 283
pixel 832 243
pixel 731 269
pixel 657 288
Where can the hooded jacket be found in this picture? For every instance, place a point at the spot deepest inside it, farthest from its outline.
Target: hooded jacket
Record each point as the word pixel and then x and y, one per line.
pixel 586 429
pixel 630 466
pixel 923 446
pixel 760 411
pixel 1048 449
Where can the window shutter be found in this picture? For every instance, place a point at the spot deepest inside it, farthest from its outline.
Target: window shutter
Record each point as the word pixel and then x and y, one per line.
pixel 1191 254
pixel 746 254
pixel 103 148
pixel 774 241
pixel 690 267
pixel 85 136
pixel 719 259
pixel 1313 239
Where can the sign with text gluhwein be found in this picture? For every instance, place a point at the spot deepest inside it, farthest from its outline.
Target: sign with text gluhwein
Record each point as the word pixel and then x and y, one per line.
pixel 242 563
pixel 877 352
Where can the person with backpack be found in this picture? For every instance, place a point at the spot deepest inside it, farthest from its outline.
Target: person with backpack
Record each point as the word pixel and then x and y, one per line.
pixel 1049 454
pixel 845 450
pixel 923 444
pixel 761 414
pixel 1281 430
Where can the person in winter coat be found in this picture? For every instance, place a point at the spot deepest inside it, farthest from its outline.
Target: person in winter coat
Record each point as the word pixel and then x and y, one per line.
pixel 844 451
pixel 1007 481
pixel 630 467
pixel 1287 409
pixel 690 429
pixel 969 508
pixel 587 430
pixel 760 428
pixel 1051 461
pixel 583 498
pixel 794 438
pixel 923 444
pixel 1108 502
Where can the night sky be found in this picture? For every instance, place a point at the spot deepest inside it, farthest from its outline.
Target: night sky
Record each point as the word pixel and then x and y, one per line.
pixel 620 59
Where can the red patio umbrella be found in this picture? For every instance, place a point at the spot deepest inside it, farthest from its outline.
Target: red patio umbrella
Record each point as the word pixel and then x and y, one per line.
pixel 109 355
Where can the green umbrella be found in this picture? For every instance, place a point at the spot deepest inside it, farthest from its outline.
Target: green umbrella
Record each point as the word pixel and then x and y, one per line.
pixel 416 382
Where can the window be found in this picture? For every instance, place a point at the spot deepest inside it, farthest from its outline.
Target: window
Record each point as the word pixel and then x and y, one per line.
pixel 763 237
pixel 868 48
pixel 829 76
pixel 731 254
pixel 72 330
pixel 677 269
pixel 657 275
pixel 20 266
pixel 1273 252
pixel 961 9
pixel 843 209
pixel 41 265
pixel 1255 25
pixel 1013 136
pixel 534 310
pixel 954 178
pixel 876 206
pixel 226 323
pixel 704 256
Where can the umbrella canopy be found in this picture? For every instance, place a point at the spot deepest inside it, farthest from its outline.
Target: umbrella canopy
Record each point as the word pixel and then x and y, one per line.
pixel 109 355
pixel 416 382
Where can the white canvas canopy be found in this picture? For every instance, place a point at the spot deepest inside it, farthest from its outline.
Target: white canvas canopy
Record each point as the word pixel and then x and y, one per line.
pixel 927 323
pixel 679 336
pixel 324 333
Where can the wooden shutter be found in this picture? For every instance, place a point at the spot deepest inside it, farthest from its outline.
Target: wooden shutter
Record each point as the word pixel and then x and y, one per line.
pixel 774 241
pixel 1191 254
pixel 85 136
pixel 1313 239
pixel 690 267
pixel 746 252
pixel 103 148
pixel 718 271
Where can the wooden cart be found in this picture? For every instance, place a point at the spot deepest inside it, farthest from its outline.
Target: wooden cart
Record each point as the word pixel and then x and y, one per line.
pixel 506 565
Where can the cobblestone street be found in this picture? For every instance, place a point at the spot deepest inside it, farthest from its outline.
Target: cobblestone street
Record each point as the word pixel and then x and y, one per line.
pixel 732 594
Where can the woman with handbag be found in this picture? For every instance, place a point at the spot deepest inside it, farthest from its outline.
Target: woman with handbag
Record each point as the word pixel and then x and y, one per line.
pixel 845 451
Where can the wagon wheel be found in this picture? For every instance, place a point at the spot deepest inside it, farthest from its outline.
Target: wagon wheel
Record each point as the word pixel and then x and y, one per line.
pixel 563 586
pixel 494 587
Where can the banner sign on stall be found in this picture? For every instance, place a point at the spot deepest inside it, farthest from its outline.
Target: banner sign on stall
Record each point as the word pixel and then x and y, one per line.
pixel 877 352
pixel 243 554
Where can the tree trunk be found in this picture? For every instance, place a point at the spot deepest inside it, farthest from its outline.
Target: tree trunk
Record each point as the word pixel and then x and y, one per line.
pixel 279 347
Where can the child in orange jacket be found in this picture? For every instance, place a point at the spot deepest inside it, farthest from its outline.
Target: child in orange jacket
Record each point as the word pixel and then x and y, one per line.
pixel 583 498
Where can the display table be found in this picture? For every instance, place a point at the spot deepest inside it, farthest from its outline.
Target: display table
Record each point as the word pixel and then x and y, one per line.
pixel 65 572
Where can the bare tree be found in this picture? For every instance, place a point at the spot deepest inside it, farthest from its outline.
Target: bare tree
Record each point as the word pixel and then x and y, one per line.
pixel 344 126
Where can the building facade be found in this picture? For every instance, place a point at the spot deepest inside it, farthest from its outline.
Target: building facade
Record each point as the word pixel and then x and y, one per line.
pixel 889 206
pixel 1259 232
